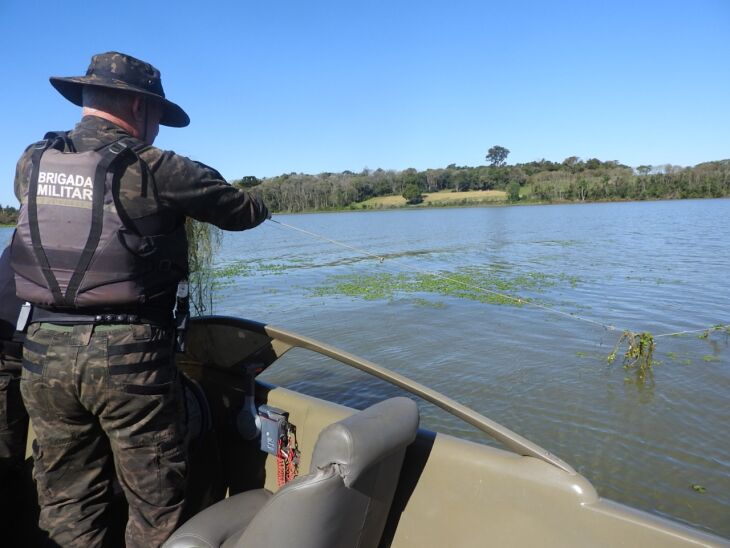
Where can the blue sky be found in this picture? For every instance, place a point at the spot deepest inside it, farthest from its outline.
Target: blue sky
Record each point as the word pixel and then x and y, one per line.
pixel 280 86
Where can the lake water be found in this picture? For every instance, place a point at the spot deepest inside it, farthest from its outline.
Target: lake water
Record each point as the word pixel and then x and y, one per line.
pixel 662 445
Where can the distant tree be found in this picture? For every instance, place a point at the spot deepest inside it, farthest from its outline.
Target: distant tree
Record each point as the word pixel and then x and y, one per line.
pixel 593 163
pixel 517 175
pixel 412 194
pixel 670 169
pixel 465 179
pixel 513 191
pixel 643 170
pixel 248 181
pixel 573 163
pixel 497 156
pixel 579 190
pixel 8 215
pixel 498 177
pixel 412 176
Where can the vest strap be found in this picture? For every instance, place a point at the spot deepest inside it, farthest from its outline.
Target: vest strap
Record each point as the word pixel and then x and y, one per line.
pixel 35 233
pixel 110 156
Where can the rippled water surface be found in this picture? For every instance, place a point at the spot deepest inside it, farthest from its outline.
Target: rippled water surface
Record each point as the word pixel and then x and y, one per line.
pixel 661 267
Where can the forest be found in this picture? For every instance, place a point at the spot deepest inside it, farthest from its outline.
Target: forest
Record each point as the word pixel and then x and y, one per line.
pixel 542 181
pixel 8 215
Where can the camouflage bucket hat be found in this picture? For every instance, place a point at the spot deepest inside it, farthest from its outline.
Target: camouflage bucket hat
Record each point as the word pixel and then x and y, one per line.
pixel 123 72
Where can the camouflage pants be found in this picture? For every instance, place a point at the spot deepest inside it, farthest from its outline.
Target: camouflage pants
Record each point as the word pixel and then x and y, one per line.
pixel 103 399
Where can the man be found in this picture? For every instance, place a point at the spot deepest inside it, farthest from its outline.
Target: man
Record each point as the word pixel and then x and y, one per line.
pixel 99 250
pixel 13 418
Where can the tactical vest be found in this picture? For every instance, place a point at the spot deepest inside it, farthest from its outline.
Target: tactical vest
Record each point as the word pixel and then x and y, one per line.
pixel 72 248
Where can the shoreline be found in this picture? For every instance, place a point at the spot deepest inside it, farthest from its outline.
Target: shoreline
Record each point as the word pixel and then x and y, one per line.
pixel 485 204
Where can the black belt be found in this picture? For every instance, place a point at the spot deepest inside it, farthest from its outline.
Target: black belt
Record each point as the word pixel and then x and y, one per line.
pixel 157 318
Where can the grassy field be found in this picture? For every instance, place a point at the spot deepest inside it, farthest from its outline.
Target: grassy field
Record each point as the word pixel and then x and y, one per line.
pixel 444 198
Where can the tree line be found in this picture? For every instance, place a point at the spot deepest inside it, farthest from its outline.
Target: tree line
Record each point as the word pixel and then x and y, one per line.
pixel 573 179
pixel 8 215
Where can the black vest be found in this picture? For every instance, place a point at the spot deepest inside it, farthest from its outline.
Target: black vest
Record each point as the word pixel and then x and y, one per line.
pixel 73 250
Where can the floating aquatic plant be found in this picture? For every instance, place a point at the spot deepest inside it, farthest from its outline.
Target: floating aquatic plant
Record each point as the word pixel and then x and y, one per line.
pixel 638 357
pixel 475 284
pixel 241 268
pixel 706 333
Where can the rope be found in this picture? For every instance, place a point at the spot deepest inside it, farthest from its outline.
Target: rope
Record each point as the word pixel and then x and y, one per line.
pixel 381 259
pixel 707 329
pixel 518 300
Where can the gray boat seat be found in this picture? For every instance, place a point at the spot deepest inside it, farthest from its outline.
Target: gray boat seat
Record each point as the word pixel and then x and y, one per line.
pixel 343 501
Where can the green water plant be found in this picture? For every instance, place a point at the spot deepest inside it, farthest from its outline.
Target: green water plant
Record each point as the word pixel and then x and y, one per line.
pixel 706 333
pixel 245 268
pixel 478 284
pixel 638 358
pixel 203 243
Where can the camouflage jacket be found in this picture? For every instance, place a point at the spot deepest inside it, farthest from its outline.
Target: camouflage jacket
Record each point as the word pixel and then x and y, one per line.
pixel 179 187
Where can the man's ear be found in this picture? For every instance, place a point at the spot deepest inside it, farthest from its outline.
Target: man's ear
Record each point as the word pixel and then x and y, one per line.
pixel 138 108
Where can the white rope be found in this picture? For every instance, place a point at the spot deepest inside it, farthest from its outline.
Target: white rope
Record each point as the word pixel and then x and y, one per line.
pixel 518 300
pixel 707 329
pixel 381 259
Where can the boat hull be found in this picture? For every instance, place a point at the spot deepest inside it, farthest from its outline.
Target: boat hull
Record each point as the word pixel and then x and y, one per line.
pixel 452 492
